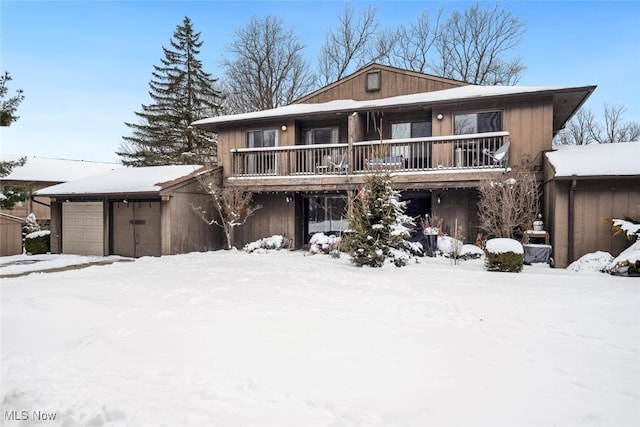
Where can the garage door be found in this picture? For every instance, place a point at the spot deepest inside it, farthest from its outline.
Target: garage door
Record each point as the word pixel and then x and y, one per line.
pixel 82 228
pixel 136 229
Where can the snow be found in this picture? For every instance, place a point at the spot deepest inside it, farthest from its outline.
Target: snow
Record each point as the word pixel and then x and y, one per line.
pixel 282 339
pixel 595 262
pixel 502 245
pixel 123 180
pixel 21 264
pixel 619 159
pixel 55 170
pixel 629 255
pixel 37 234
pixel 627 226
pixel 349 105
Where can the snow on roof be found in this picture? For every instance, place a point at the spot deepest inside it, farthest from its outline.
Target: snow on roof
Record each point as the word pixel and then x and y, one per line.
pixel 55 170
pixel 619 159
pixel 458 93
pixel 123 180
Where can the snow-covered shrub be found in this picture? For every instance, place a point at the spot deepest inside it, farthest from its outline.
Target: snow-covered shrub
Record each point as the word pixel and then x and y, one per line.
pixel 275 242
pixel 627 263
pixel 31 225
pixel 595 262
pixel 471 252
pixel 378 225
pixel 321 243
pixel 449 247
pixel 37 242
pixel 504 255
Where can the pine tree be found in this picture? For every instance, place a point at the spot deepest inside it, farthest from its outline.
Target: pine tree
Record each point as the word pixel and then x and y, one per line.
pixel 8 107
pixel 182 92
pixel 377 224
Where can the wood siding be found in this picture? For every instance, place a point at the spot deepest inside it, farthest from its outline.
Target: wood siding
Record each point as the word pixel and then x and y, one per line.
pixel 277 217
pixel 393 82
pixel 10 236
pixel 595 202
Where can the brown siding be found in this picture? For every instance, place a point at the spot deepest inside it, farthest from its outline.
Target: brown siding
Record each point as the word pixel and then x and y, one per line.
pixel 10 237
pixel 393 82
pixel 42 212
pixel 188 232
pixel 595 203
pixel 275 218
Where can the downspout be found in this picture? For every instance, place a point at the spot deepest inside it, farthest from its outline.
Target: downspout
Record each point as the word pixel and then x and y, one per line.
pixel 571 224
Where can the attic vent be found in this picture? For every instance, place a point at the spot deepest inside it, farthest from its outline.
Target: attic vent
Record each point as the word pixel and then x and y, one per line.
pixel 373 81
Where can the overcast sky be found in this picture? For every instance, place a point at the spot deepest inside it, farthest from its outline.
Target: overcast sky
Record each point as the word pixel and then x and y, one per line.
pixel 85 66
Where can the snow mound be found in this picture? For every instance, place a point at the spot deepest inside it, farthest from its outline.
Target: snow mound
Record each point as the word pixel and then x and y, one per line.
pixel 321 243
pixel 448 245
pixel 595 262
pixel 471 251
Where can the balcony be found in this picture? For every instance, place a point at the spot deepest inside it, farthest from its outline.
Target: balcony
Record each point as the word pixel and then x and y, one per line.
pixel 449 153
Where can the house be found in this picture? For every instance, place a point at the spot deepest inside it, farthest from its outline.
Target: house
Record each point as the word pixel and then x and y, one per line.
pixel 131 212
pixel 585 187
pixel 438 137
pixel 37 173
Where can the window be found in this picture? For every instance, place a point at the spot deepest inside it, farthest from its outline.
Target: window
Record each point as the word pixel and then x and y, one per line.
pixel 415 154
pixel 373 81
pixel 327 214
pixel 468 123
pixel 327 135
pixel 262 162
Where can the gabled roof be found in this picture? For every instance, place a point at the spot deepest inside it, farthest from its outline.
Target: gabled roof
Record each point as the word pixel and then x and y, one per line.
pixel 43 169
pixel 566 101
pixel 387 68
pixel 596 160
pixel 126 180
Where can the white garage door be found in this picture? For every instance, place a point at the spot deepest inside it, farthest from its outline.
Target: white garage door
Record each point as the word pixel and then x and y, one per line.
pixel 82 228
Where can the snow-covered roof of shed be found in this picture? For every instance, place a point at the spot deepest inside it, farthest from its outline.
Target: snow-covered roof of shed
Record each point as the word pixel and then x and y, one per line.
pixel 619 159
pixel 349 105
pixel 125 180
pixel 55 170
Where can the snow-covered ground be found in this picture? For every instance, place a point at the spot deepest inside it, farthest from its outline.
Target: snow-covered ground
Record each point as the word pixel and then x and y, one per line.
pixel 288 339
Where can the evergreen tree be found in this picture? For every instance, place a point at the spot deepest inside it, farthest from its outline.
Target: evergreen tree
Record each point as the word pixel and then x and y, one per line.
pixel 378 224
pixel 8 107
pixel 182 92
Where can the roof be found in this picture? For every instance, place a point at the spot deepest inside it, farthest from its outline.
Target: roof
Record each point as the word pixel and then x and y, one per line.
pixel 43 169
pixel 126 180
pixel 566 101
pixel 619 159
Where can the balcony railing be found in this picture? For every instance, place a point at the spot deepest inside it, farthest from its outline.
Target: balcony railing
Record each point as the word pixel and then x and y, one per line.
pixel 457 152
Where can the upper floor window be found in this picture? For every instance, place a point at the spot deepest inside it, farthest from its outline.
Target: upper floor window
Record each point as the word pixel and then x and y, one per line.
pixel 467 123
pixel 327 135
pixel 262 138
pixel 373 81
pixel 410 130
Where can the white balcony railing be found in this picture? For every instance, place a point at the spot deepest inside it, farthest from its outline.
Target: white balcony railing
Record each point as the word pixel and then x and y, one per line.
pixel 400 155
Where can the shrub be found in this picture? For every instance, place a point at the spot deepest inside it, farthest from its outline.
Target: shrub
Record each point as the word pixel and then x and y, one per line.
pixel 504 255
pixel 37 242
pixel 321 243
pixel 276 242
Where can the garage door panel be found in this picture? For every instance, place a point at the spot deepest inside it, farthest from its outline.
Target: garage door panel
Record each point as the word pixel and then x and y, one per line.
pixel 83 228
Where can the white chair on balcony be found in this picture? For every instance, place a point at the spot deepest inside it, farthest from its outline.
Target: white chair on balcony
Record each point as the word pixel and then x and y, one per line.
pixel 341 167
pixel 500 156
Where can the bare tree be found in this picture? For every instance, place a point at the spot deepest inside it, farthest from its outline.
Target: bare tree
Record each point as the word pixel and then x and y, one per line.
pixel 267 69
pixel 414 44
pixel 232 205
pixel 348 46
pixel 583 128
pixel 508 207
pixel 472 46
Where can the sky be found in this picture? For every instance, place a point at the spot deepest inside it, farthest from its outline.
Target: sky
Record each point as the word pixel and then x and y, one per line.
pixel 85 66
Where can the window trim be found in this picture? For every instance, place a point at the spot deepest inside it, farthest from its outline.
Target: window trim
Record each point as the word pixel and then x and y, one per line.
pixel 367 83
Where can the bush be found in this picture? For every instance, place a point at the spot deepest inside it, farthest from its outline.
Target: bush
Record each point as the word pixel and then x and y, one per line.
pixel 37 242
pixel 504 255
pixel 276 242
pixel 321 243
